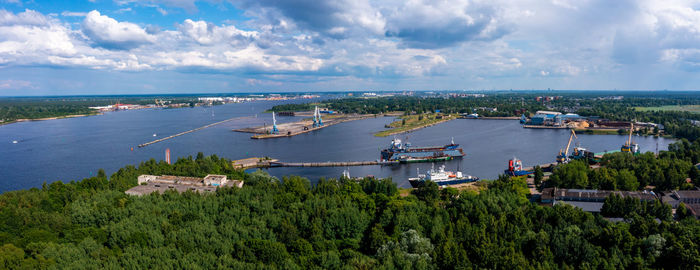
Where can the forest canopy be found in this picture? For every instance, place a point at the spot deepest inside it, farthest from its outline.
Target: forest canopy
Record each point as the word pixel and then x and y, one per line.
pixel 335 224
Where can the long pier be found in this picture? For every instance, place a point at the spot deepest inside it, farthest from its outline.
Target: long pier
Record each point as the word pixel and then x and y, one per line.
pixel 192 130
pixel 331 163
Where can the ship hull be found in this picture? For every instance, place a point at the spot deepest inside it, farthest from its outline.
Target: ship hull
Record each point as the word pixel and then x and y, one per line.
pixel 517 173
pixel 416 183
pixel 423 152
pixel 429 159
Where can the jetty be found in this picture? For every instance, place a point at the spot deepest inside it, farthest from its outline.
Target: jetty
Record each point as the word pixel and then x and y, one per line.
pixel 332 163
pixel 193 130
pixel 256 162
pixel 545 127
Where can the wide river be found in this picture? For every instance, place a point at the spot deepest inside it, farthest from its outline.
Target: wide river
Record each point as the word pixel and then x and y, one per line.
pixel 75 148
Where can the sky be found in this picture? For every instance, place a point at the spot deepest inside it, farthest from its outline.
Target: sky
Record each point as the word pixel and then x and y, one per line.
pixel 219 46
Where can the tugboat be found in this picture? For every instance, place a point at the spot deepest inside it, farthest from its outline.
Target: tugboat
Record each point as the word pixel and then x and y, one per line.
pixel 581 153
pixel 398 151
pixel 441 177
pixel 515 168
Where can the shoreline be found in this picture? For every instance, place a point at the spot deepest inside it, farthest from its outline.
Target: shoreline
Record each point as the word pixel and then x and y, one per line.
pixel 49 118
pixel 382 134
pixel 302 126
pixel 492 118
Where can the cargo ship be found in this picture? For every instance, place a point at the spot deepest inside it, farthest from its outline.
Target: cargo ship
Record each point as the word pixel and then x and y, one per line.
pixel 398 151
pixel 515 168
pixel 441 177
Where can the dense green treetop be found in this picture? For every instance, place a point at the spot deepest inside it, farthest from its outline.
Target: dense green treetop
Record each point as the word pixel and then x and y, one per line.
pixel 335 224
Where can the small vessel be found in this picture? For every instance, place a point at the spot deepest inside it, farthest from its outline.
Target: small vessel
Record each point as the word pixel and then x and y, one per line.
pixel 398 151
pixel 154 135
pixel 14 141
pixel 581 153
pixel 515 168
pixel 441 177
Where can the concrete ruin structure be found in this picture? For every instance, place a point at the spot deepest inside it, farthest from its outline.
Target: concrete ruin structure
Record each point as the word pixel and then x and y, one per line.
pixel 162 183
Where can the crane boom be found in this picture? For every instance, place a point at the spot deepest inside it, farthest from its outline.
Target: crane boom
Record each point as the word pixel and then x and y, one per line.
pixel 573 134
pixel 563 156
pixel 629 139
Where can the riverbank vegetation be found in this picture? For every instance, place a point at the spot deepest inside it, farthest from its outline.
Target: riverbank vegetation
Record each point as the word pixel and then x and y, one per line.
pixel 678 108
pixel 16 110
pixel 624 171
pixel 506 106
pixel 294 107
pixel 408 123
pixel 44 108
pixel 616 106
pixel 335 224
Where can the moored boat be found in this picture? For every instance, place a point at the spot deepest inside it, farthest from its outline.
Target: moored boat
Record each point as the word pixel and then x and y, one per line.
pixel 398 151
pixel 424 159
pixel 441 177
pixel 515 168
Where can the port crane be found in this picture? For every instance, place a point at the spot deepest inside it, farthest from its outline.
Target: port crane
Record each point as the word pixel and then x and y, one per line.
pixel 563 156
pixel 160 103
pixel 274 124
pixel 630 146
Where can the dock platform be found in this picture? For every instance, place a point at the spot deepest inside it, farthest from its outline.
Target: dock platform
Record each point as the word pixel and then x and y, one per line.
pixel 545 127
pixel 300 127
pixel 332 163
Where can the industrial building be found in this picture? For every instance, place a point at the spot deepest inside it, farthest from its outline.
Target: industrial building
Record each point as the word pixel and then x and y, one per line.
pixel 152 183
pixel 589 200
pixel 691 199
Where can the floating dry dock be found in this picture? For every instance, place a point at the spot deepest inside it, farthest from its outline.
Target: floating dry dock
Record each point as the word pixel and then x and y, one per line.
pixel 300 127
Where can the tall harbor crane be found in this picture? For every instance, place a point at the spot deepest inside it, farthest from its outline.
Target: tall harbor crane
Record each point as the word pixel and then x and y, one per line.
pixel 563 156
pixel 630 146
pixel 274 124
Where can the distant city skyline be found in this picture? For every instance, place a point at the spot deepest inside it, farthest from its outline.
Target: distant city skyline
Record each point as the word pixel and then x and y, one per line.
pixel 105 47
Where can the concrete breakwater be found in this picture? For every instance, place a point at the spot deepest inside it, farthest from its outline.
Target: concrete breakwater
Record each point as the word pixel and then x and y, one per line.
pixel 192 130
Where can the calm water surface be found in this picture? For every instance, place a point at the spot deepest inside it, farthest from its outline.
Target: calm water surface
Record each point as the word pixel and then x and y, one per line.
pixel 72 149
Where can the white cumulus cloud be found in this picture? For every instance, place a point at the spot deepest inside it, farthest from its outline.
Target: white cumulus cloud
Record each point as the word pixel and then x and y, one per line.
pixel 110 34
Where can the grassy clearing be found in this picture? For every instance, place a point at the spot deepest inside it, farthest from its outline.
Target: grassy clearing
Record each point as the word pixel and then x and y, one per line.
pixel 412 122
pixel 680 108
